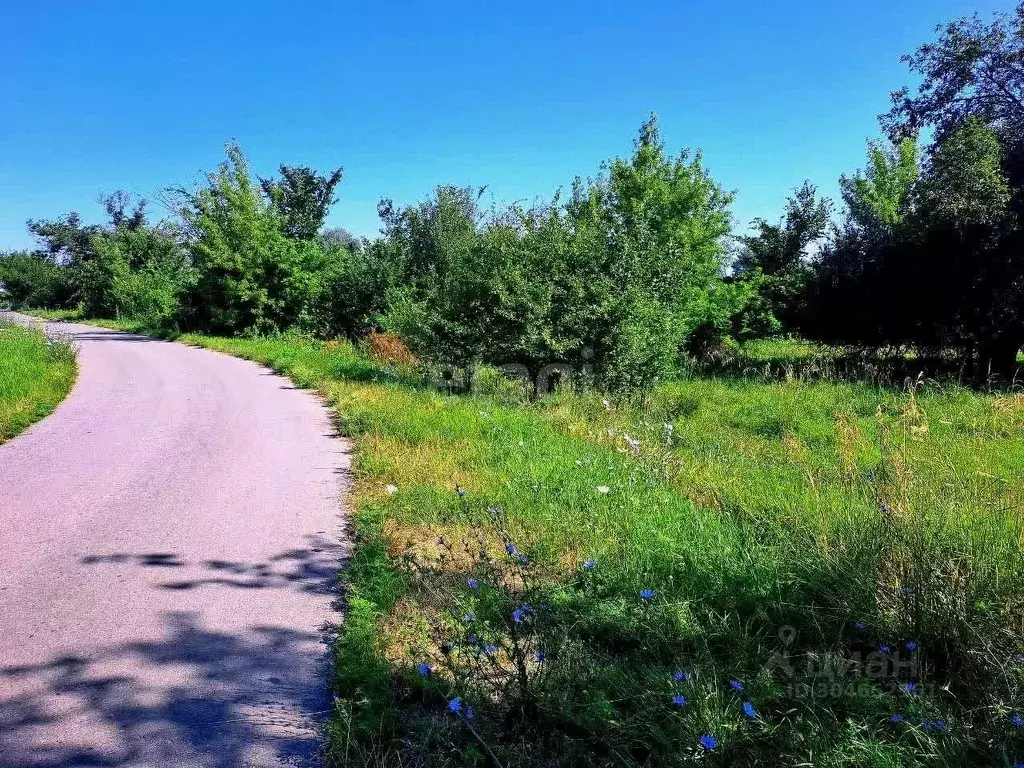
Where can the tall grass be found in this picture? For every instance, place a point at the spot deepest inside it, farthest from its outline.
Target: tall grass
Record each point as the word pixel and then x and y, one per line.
pixel 35 375
pixel 810 573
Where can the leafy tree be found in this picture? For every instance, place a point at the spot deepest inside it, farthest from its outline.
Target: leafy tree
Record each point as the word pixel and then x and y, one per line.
pixel 31 279
pixel 251 276
pixel 629 267
pixel 878 198
pixel 773 263
pixel 945 273
pixel 656 227
pixel 964 227
pixel 972 70
pixel 66 239
pixel 140 272
pixel 302 198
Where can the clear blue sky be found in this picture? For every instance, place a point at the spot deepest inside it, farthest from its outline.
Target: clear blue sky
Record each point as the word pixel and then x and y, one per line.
pixel 518 96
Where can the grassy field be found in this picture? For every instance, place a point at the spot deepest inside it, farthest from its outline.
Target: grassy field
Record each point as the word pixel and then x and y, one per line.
pixel 728 570
pixel 34 377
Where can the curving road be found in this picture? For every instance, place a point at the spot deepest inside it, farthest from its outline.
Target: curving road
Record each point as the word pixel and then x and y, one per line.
pixel 169 549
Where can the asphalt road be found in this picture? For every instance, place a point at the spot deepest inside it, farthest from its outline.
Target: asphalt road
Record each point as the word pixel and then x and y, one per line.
pixel 170 539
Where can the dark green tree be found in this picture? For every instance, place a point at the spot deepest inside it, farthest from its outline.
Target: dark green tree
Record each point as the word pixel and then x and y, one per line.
pixel 302 198
pixel 973 69
pixel 774 263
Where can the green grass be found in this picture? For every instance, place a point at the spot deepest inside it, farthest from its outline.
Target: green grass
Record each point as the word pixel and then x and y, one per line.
pixel 770 520
pixel 34 377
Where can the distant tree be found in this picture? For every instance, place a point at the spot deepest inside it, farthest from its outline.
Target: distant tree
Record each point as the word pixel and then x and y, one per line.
pixel 338 237
pixel 31 279
pixel 302 198
pixel 774 263
pixel 66 239
pixel 878 198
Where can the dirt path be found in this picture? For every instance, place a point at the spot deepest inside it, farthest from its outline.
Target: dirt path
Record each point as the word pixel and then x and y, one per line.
pixel 169 546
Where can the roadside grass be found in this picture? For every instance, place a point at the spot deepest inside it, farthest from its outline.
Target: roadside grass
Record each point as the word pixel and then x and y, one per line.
pixel 847 555
pixel 34 377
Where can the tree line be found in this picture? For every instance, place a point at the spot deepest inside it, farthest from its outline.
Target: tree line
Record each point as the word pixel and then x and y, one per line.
pixel 636 265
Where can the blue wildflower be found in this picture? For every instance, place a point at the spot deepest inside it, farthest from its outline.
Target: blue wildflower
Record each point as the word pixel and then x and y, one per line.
pixel 472 583
pixel 539 656
pixel 909 687
pixel 1017 721
pixel 455 705
pixel 736 685
pixel 883 649
pixel 912 646
pixel 424 669
pixel 590 564
pixel 468 618
pixel 511 549
pixel 896 717
pixel 518 615
pixel 937 725
pixel 522 559
pixel 748 710
pixel 860 626
pixel 708 741
pixel 681 676
pixel 647 594
pixel 468 713
pixel 490 650
pixel 679 701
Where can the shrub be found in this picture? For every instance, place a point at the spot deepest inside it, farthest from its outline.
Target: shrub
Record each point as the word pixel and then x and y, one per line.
pixel 252 278
pixel 390 349
pixel 629 268
pixel 33 280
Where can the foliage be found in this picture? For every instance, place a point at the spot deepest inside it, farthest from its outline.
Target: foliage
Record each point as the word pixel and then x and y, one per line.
pixel 973 69
pixel 629 268
pixel 878 198
pixel 773 264
pixel 141 273
pixel 30 279
pixel 940 271
pixel 251 276
pixel 35 376
pixel 302 199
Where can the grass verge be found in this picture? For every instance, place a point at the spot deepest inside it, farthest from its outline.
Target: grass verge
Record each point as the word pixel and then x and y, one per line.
pixel 726 571
pixel 35 375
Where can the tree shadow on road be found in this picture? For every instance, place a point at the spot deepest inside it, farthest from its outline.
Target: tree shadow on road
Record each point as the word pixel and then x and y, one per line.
pixel 196 696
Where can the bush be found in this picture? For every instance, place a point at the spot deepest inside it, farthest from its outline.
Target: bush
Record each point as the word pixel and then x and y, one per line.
pixel 252 278
pixel 33 280
pixel 139 274
pixel 390 349
pixel 629 268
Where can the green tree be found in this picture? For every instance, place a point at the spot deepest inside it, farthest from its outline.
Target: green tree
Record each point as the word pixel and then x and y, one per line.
pixel 878 198
pixel 773 264
pixel 251 276
pixel 32 279
pixel 973 69
pixel 302 198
